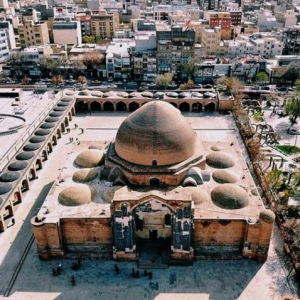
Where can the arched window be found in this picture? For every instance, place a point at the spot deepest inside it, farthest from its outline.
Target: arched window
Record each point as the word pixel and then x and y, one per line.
pixel 154 163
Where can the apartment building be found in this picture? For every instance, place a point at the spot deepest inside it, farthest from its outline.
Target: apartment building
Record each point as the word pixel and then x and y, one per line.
pixel 256 45
pixel 175 45
pixel 118 64
pixel 222 20
pixel 291 40
pixel 31 33
pixel 104 25
pixel 85 22
pixel 211 40
pixel 144 66
pixel 67 31
pixel 4 45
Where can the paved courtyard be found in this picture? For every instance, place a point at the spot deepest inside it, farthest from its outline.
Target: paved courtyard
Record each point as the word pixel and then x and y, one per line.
pixel 23 276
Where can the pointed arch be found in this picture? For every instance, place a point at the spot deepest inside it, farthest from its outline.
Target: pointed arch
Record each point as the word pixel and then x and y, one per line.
pixel 121 106
pixel 96 106
pixel 108 106
pixel 184 106
pixel 133 106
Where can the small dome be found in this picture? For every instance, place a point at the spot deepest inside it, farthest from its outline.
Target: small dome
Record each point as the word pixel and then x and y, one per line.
pixel 76 195
pixel 37 139
pixel 31 147
pixel 17 166
pixel 219 160
pixel 267 216
pixel 5 188
pixel 42 132
pixel 109 193
pixel 51 120
pixel 89 158
pixel 84 93
pixel 56 114
pixel 216 148
pixel 9 176
pixel 63 103
pixel 25 155
pixel 66 99
pixel 69 92
pixel 229 196
pixel 156 132
pixel 60 108
pixel 198 195
pixel 85 175
pixel 47 125
pixel 224 176
pixel 97 94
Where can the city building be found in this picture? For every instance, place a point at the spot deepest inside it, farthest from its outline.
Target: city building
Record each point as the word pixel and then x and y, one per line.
pixel 175 46
pixel 118 61
pixel 33 34
pixel 222 20
pixel 211 41
pixel 67 31
pixel 104 25
pixel 291 40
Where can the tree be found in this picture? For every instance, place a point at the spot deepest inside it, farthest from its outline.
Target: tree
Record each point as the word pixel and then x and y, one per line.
pixel 189 68
pixel 81 79
pixel 262 77
pixel 164 79
pixel 274 179
pixel 88 39
pixel 292 108
pixel 92 58
pixel 232 84
pixel 292 73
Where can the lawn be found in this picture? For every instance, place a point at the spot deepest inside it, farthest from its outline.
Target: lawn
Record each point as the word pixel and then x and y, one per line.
pixel 288 149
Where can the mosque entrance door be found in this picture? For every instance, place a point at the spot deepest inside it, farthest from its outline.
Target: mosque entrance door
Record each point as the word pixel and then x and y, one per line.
pixel 153 224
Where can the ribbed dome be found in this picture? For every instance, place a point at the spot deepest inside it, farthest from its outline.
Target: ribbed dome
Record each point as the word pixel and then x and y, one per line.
pixel 198 195
pixel 229 196
pixel 9 176
pixel 17 166
pixel 224 176
pixel 219 160
pixel 76 195
pixel 85 175
pixel 155 132
pixel 89 158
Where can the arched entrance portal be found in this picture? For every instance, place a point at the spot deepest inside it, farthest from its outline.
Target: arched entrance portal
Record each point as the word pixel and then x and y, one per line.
pixel 153 223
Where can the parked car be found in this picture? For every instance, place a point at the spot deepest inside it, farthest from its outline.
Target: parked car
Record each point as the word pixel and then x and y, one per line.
pixel 293 131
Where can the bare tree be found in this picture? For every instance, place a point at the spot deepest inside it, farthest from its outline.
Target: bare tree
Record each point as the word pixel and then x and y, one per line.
pixel 164 79
pixel 92 59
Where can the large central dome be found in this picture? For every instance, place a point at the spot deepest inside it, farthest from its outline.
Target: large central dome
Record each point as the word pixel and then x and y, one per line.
pixel 155 134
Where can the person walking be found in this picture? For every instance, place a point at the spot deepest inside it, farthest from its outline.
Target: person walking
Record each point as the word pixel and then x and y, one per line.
pixel 73 282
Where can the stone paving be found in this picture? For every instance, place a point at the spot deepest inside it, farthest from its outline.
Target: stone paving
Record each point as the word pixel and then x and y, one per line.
pixel 214 280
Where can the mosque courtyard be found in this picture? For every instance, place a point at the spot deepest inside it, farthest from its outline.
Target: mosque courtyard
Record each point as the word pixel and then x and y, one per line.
pixel 24 276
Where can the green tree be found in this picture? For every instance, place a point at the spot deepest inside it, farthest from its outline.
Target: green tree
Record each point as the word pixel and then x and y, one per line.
pixel 292 73
pixel 164 79
pixel 190 67
pixel 232 84
pixel 292 108
pixel 261 77
pixel 274 179
pixel 86 39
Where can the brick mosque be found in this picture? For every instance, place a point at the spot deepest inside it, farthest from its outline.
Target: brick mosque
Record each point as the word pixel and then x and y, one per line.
pixel 157 182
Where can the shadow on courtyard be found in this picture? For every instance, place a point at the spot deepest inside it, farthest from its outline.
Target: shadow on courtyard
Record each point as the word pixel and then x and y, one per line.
pixel 12 263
